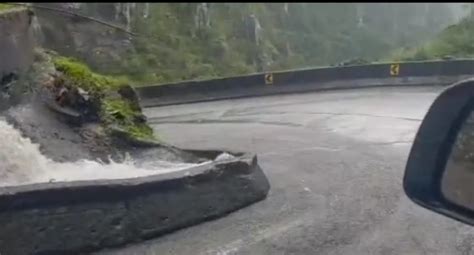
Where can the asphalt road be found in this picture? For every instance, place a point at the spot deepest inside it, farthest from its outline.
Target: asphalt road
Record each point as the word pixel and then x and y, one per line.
pixel 335 161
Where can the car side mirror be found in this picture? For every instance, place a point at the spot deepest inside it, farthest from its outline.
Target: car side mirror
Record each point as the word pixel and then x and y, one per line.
pixel 439 174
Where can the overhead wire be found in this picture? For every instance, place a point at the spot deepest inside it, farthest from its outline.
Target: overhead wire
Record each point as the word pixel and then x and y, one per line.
pixel 74 14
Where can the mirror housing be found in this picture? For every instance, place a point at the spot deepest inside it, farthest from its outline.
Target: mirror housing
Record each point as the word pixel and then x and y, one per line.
pixel 431 150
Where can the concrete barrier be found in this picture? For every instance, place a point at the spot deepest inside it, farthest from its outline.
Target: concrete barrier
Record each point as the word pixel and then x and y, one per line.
pixel 294 81
pixel 82 216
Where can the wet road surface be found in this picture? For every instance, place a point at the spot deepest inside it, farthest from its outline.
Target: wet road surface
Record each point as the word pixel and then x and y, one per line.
pixel 335 161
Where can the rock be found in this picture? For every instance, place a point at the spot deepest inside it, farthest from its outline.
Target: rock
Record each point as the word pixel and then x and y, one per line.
pixel 125 11
pixel 56 138
pixel 62 96
pixel 81 38
pixel 140 118
pixel 128 93
pixel 201 18
pixel 254 30
pixel 146 10
pixel 72 116
pixel 84 94
pixel 7 80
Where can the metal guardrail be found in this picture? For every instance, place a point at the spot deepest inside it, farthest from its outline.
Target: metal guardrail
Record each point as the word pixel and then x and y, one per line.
pixel 292 81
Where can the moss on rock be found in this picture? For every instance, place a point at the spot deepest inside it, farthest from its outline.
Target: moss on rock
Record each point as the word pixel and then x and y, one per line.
pixel 83 77
pixel 122 113
pixel 114 108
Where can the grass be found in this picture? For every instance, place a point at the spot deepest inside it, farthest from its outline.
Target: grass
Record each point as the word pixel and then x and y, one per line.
pixel 6 6
pixel 9 7
pixel 122 112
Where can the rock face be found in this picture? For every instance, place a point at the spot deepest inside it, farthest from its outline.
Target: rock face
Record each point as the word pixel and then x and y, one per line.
pixel 202 18
pixel 16 43
pixel 255 30
pixel 123 13
pixel 97 44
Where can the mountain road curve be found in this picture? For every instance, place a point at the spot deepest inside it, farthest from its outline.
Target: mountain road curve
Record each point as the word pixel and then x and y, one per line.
pixel 335 161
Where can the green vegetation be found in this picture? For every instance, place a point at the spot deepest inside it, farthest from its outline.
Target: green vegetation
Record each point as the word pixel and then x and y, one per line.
pixel 114 110
pixel 173 47
pixel 82 76
pixel 455 41
pixel 5 6
pixel 125 114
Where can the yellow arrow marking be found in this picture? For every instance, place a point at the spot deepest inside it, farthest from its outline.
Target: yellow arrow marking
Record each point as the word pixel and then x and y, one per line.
pixel 269 79
pixel 394 69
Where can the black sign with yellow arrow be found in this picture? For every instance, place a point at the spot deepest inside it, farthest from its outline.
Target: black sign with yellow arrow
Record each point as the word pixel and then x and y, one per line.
pixel 394 69
pixel 268 79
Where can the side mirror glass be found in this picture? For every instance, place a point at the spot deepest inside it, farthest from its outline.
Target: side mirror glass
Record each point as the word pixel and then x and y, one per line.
pixel 439 174
pixel 457 182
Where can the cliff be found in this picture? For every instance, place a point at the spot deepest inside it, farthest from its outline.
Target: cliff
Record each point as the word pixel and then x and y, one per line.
pixel 181 41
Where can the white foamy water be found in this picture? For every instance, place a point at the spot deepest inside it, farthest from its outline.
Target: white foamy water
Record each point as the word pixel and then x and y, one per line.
pixel 22 163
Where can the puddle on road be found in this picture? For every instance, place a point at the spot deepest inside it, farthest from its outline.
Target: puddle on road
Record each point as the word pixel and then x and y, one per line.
pixel 374 129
